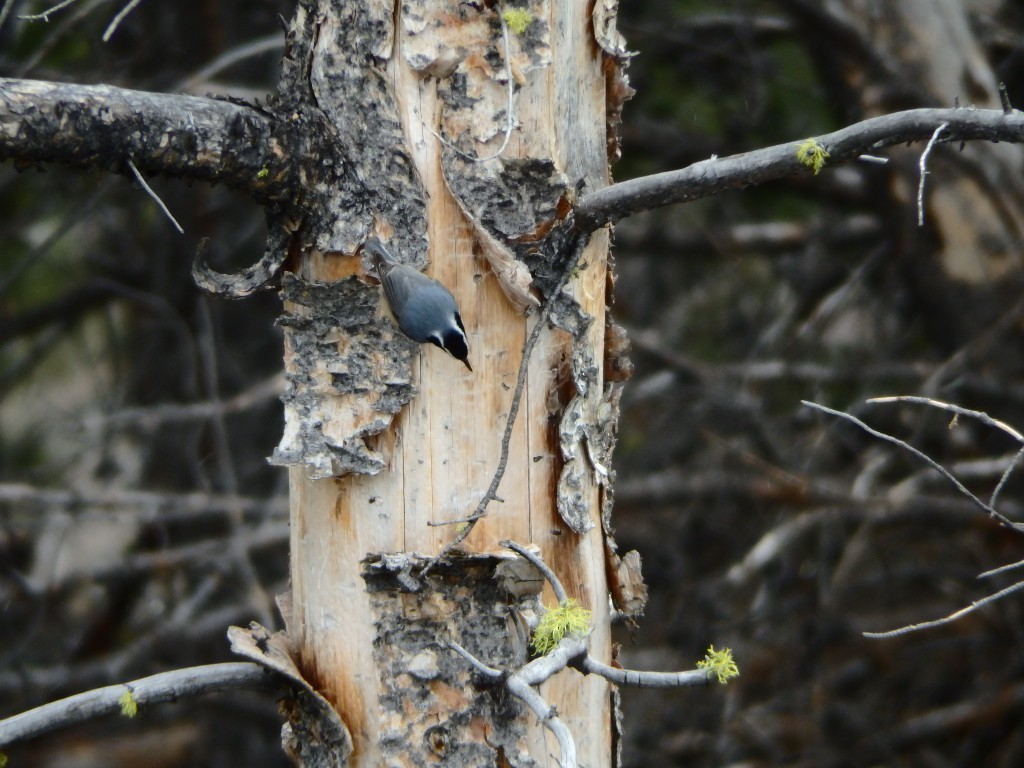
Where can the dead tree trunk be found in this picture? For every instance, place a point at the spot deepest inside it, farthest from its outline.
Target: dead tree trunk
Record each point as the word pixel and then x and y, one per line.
pixel 459 133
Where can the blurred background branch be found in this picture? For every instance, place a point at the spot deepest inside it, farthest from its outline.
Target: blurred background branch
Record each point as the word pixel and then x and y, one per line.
pixel 139 518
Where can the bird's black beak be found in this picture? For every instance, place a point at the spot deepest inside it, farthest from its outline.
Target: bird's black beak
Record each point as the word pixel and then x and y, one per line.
pixel 466 362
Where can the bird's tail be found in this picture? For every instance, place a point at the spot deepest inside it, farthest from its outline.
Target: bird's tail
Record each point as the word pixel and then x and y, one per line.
pixel 383 261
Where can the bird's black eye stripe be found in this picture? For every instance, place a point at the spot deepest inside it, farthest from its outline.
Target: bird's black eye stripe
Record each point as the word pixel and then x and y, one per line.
pixel 458 321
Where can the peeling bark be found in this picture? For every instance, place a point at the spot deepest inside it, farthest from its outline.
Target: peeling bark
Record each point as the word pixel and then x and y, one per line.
pixel 342 383
pixel 380 113
pixel 433 705
pixel 384 436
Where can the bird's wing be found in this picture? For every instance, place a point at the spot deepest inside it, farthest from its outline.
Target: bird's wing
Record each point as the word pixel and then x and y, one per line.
pixel 399 283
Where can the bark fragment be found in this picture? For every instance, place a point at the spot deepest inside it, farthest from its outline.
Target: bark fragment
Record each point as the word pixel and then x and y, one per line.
pixel 343 377
pixel 432 704
pixel 313 736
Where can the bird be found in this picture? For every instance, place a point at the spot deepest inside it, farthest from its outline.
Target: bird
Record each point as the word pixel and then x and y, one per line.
pixel 424 309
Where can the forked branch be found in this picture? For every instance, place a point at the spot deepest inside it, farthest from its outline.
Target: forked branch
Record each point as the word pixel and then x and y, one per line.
pixel 717 174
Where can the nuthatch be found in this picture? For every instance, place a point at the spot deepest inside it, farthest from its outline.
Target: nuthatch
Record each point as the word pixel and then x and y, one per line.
pixel 425 309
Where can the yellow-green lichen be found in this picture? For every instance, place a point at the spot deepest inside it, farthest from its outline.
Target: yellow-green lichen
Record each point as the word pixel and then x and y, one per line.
pixel 567 619
pixel 720 664
pixel 812 154
pixel 517 19
pixel 129 706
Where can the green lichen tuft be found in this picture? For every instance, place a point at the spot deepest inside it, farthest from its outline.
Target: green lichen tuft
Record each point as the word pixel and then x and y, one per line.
pixel 517 19
pixel 812 154
pixel 567 619
pixel 129 706
pixel 263 173
pixel 720 664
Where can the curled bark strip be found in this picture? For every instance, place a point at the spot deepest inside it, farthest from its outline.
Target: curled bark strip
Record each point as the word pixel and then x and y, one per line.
pixel 240 284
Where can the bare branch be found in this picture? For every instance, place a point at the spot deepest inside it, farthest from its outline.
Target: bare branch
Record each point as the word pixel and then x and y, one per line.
pixel 618 676
pixel 158 416
pixel 715 175
pixel 1004 99
pixel 4 10
pixel 987 508
pixel 167 686
pixel 947 619
pixel 570 651
pixel 1001 569
pixel 520 686
pixel 984 418
pixel 780 235
pixel 478 665
pixel 958 717
pixel 1005 477
pixel 548 716
pixel 79 125
pixel 66 25
pixel 981 416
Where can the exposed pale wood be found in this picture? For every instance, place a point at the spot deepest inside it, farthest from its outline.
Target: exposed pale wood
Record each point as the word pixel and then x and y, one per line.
pixel 442 449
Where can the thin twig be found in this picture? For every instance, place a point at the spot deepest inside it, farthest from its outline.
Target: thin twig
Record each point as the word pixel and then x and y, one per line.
pixel 556 585
pixel 517 395
pixel 1005 476
pixel 45 15
pixel 961 716
pixel 167 686
pixel 143 507
pixel 922 165
pixel 1004 99
pixel 970 350
pixel 923 456
pixel 981 416
pixel 1001 569
pixel 158 416
pixel 156 197
pixel 118 19
pixel 948 619
pixel 478 665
